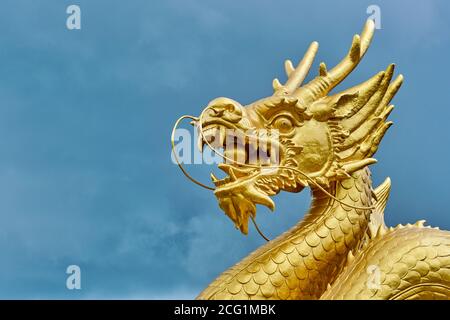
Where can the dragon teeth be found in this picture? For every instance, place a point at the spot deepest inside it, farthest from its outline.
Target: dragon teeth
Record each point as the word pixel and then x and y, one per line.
pixel 241 155
pixel 222 136
pixel 263 145
pixel 200 143
pixel 215 136
pixel 210 134
pixel 214 178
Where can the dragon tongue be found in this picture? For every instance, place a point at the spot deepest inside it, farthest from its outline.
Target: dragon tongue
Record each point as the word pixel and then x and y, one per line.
pixel 234 172
pixel 224 167
pixel 228 170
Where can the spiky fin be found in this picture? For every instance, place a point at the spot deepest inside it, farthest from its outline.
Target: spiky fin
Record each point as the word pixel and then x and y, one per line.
pixel 381 195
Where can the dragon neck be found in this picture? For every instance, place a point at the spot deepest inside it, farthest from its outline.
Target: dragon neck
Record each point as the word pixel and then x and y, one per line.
pixel 300 263
pixel 328 232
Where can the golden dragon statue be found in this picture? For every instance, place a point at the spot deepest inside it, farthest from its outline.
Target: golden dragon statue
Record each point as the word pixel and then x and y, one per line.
pixel 342 248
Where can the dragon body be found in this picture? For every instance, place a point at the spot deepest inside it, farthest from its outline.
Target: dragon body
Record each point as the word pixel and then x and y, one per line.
pixel 333 254
pixel 342 248
pixel 303 261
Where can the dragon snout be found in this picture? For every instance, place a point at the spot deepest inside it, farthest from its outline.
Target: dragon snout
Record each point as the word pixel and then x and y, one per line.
pixel 224 109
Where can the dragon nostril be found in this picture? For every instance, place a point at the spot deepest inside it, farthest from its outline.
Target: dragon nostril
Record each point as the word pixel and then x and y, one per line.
pixel 227 112
pixel 219 113
pixel 215 112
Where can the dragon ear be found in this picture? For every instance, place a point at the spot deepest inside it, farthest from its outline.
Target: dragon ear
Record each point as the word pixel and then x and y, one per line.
pixel 326 108
pixel 321 110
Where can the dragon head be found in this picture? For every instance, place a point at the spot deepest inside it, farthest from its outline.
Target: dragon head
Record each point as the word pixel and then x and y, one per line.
pixel 300 136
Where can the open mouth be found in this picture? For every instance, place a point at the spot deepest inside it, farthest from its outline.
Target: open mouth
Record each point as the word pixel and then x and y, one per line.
pixel 248 157
pixel 245 153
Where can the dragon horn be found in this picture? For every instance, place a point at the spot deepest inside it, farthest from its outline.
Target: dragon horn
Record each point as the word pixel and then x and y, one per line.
pixel 297 75
pixel 327 80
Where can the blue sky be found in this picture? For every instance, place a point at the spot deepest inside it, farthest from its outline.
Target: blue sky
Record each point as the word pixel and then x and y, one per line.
pixel 85 120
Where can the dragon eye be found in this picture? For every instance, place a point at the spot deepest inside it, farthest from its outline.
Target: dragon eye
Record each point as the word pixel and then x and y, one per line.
pixel 283 124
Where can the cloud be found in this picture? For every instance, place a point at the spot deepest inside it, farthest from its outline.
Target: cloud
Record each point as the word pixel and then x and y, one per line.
pixel 85 119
